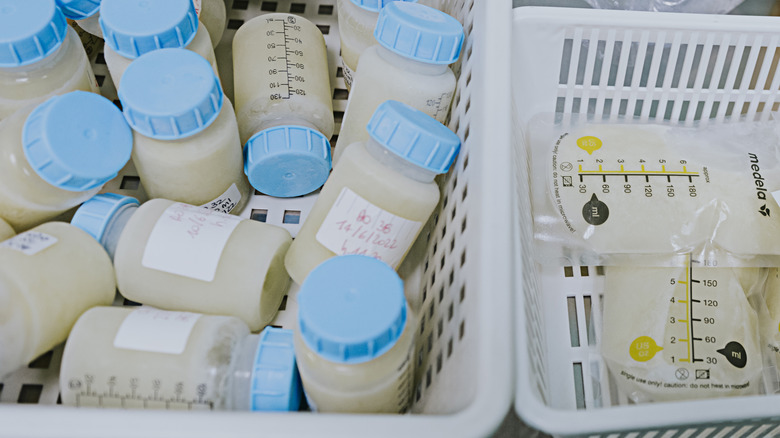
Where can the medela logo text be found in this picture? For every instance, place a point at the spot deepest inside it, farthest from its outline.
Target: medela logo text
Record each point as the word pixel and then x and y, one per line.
pixel 757 178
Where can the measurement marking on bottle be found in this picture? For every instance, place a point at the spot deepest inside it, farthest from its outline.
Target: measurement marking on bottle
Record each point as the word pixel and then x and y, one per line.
pixel 287 25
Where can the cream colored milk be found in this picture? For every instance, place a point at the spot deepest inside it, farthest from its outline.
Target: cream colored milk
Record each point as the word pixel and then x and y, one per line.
pixel 280 70
pixel 385 75
pixel 391 195
pixel 6 231
pixel 198 169
pixel 191 353
pixel 67 69
pixel 201 44
pixel 213 15
pixel 26 199
pixel 683 333
pixel 199 260
pixel 356 30
pixel 381 385
pixel 44 288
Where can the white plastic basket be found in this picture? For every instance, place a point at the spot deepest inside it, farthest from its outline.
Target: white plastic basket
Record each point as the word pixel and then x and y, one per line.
pixel 678 67
pixel 461 265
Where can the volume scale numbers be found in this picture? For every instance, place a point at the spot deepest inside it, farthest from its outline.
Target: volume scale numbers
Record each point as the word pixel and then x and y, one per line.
pixel 643 178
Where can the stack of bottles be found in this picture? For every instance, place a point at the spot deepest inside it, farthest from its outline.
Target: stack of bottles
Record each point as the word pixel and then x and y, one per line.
pixel 209 281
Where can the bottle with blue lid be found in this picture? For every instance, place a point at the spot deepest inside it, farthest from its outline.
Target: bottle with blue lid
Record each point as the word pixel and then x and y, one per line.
pixel 59 154
pixel 40 55
pixel 146 358
pixel 380 194
pixel 86 14
pixel 355 337
pixel 186 145
pixel 357 21
pixel 132 28
pixel 410 64
pixel 177 256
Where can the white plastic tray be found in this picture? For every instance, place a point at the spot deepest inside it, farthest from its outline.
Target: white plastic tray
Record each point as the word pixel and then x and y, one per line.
pixel 461 265
pixel 688 67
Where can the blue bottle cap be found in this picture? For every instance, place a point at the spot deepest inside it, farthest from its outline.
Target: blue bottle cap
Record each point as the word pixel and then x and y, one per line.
pixel 375 5
pixel 134 27
pixel 414 136
pixel 419 32
pixel 286 161
pixel 96 214
pixel 79 9
pixel 77 141
pixel 170 94
pixel 276 384
pixel 30 30
pixel 351 309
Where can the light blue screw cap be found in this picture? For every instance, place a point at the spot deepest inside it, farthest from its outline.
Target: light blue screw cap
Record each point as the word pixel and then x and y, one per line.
pixel 170 94
pixel 77 141
pixel 375 5
pixel 419 32
pixel 286 161
pixel 134 27
pixel 96 214
pixel 30 30
pixel 414 136
pixel 79 9
pixel 351 309
pixel 276 384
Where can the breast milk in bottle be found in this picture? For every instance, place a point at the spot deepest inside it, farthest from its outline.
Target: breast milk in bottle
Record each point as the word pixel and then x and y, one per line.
pixel 378 198
pixel 146 358
pixel 86 13
pixel 357 20
pixel 354 338
pixel 59 154
pixel 410 64
pixel 213 15
pixel 134 27
pixel 6 231
pixel 49 276
pixel 283 104
pixel 177 256
pixel 40 55
pixel 186 144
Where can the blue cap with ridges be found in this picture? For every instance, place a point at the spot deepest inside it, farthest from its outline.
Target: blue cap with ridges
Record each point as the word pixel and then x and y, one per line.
pixel 276 384
pixel 79 9
pixel 30 30
pixel 77 141
pixel 414 136
pixel 419 32
pixel 94 215
pixel 375 5
pixel 170 94
pixel 134 27
pixel 286 161
pixel 351 309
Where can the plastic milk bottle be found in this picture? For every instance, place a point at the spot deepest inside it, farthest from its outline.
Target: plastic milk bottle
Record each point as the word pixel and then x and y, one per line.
pixel 177 256
pixel 378 198
pixel 410 64
pixel 354 339
pixel 146 358
pixel 186 140
pixel 40 55
pixel 49 276
pixel 59 154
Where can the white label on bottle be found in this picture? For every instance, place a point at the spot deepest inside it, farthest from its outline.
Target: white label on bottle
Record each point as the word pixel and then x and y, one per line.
pixel 30 242
pixel 348 74
pixel 226 202
pixel 155 330
pixel 188 241
pixel 355 226
pixel 197 4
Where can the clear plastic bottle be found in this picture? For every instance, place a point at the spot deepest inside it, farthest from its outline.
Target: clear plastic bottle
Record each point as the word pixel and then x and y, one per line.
pixel 355 336
pixel 180 257
pixel 86 13
pixel 380 195
pixel 44 288
pixel 134 27
pixel 149 358
pixel 6 230
pixel 40 55
pixel 357 20
pixel 410 64
pixel 186 144
pixel 59 154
